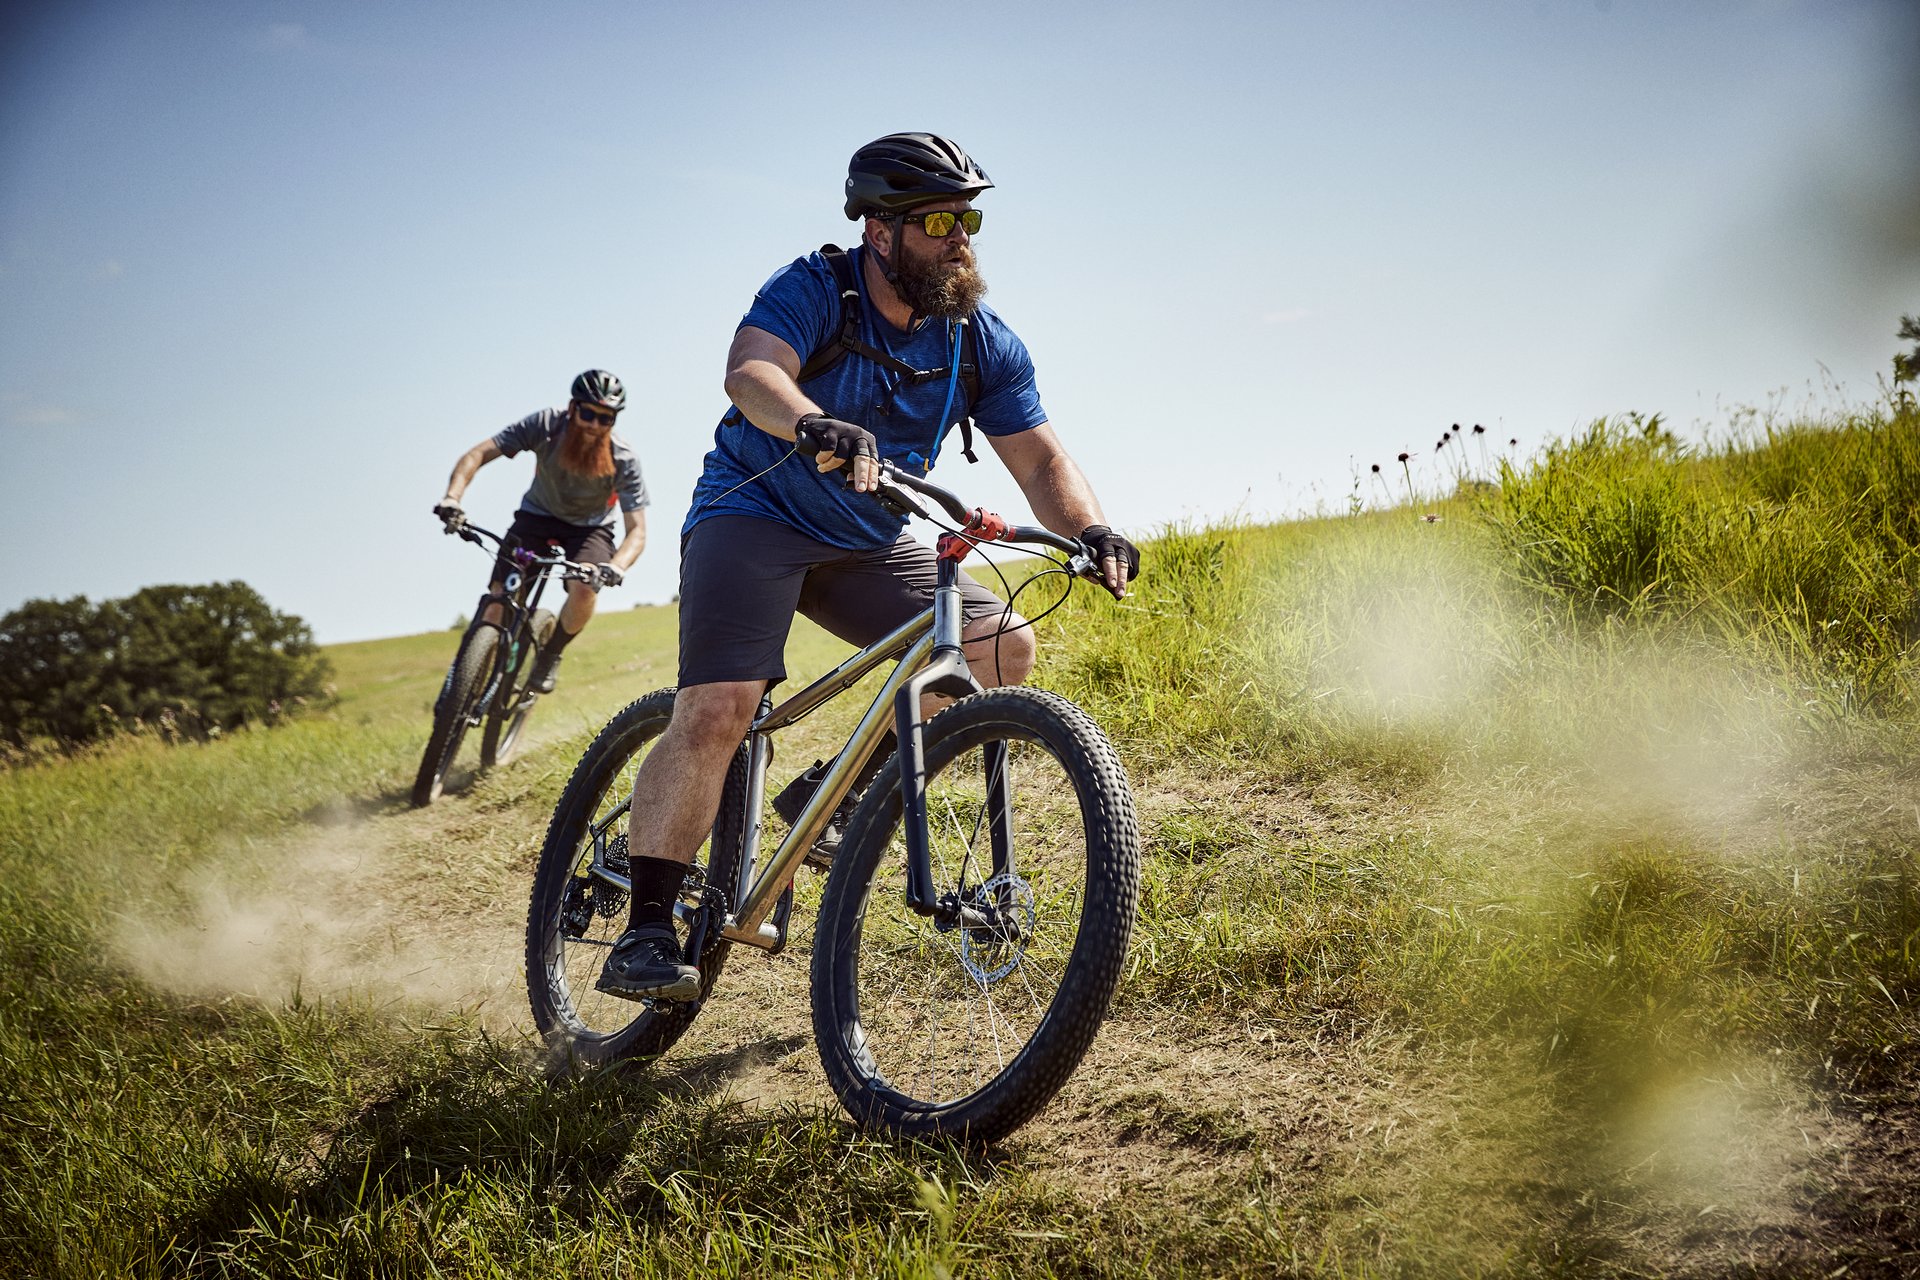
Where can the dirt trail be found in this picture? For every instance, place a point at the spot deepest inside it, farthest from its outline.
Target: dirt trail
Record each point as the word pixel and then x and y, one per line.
pixel 404 908
pixel 1371 1142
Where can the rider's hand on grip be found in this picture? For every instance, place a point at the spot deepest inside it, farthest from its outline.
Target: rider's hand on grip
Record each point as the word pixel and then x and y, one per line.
pixel 1108 546
pixel 834 442
pixel 609 577
pixel 817 433
pixel 451 516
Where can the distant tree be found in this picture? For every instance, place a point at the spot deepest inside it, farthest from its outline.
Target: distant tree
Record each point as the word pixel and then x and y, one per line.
pixel 199 658
pixel 1906 366
pixel 56 658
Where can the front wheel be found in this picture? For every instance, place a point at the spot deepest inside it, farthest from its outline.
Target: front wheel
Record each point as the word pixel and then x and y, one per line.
pixel 514 703
pixel 965 1023
pixel 576 917
pixel 454 710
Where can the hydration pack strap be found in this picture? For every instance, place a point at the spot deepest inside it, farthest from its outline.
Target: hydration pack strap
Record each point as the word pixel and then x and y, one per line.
pixel 849 340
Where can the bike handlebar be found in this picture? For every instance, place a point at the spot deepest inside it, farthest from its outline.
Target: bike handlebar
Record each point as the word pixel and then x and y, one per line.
pixel 527 558
pixel 898 486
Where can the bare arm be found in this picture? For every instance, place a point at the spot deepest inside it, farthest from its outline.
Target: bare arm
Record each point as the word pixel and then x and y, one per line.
pixel 761 381
pixel 1056 489
pixel 634 542
pixel 1053 484
pixel 470 462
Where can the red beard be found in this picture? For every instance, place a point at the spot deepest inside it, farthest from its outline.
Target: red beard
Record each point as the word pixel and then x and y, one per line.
pixel 586 452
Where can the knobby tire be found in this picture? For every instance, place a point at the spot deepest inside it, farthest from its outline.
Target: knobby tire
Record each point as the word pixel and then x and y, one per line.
pixel 453 711
pixel 585 1028
pixel 967 1032
pixel 500 739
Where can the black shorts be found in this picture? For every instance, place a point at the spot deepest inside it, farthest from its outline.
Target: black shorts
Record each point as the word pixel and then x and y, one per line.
pixel 586 543
pixel 742 579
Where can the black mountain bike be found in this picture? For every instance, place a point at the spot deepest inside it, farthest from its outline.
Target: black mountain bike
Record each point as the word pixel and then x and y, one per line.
pixel 977 911
pixel 489 681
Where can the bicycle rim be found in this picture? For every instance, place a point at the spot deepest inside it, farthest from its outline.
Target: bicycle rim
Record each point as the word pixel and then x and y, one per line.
pixel 453 713
pixel 574 919
pixel 508 716
pixel 930 1027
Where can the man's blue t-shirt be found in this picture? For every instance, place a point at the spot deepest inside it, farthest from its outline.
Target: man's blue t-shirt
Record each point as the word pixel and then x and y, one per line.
pixel 800 305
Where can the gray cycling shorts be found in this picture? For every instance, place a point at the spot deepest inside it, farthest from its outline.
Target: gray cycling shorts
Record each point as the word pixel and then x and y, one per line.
pixel 742 579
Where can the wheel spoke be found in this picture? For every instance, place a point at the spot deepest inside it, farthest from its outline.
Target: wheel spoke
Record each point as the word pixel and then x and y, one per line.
pixel 967 1021
pixel 577 915
pixel 934 1008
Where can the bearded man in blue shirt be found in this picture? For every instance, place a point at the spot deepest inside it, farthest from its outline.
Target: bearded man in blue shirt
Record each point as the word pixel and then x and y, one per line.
pixel 774 530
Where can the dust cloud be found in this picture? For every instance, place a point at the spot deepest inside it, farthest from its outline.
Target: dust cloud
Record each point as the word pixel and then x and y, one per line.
pixel 336 911
pixel 1687 739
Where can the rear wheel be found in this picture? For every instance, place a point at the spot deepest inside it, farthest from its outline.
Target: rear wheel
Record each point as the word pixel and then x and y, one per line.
pixel 454 710
pixel 965 1023
pixel 576 917
pixel 514 703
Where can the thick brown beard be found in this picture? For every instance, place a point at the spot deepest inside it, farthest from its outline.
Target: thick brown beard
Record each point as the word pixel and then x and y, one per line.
pixel 587 453
pixel 933 288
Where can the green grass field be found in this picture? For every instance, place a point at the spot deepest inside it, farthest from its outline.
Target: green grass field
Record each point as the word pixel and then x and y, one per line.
pixel 1530 891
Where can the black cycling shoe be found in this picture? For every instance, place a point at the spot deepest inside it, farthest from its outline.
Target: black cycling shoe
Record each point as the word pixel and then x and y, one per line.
pixel 792 801
pixel 646 965
pixel 544 672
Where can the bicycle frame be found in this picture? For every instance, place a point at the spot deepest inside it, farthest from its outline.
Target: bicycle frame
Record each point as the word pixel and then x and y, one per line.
pixel 914 644
pixel 522 589
pixel 930 659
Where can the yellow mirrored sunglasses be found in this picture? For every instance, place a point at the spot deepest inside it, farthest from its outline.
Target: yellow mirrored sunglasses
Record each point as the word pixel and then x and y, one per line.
pixel 940 225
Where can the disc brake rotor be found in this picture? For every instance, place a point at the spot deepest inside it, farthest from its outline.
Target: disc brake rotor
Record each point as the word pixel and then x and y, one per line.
pixel 992 951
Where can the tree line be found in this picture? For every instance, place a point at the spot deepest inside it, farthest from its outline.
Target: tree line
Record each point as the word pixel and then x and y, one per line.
pixel 188 661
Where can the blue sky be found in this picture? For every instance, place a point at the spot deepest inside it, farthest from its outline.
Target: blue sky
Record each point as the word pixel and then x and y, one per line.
pixel 269 267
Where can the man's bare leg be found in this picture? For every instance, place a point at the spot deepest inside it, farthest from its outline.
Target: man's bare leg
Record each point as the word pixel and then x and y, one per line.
pixel 677 791
pixel 997 654
pixel 676 794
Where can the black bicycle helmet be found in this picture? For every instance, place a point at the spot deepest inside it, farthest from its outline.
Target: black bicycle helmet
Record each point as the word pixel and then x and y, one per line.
pixel 893 174
pixel 597 386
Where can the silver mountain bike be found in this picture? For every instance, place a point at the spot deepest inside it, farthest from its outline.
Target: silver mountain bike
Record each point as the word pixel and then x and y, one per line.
pixel 976 915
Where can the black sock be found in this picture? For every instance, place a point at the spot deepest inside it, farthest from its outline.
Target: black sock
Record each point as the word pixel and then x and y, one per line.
pixel 656 887
pixel 559 640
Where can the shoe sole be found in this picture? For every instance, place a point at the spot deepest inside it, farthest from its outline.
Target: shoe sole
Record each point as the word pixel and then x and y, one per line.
pixel 685 987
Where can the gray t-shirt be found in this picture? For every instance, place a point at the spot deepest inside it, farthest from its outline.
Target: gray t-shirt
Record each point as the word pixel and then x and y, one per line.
pixel 567 495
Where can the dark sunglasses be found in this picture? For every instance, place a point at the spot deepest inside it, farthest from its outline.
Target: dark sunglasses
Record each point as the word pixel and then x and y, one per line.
pixel 588 414
pixel 940 225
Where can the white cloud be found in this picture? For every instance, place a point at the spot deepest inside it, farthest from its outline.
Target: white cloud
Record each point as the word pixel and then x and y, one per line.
pixel 1288 315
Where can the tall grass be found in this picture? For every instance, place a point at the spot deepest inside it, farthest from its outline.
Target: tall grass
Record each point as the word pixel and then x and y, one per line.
pixel 1792 554
pixel 1602 781
pixel 1650 710
pixel 1801 541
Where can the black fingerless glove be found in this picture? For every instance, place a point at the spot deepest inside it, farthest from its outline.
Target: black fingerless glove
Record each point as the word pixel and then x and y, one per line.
pixel 1104 542
pixel 450 515
pixel 817 433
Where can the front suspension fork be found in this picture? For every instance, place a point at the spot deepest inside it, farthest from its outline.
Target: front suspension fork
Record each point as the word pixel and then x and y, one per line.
pixel 946 673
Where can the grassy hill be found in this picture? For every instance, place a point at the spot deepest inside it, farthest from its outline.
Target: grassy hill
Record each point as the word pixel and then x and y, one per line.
pixel 1531 889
